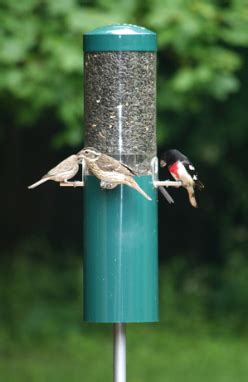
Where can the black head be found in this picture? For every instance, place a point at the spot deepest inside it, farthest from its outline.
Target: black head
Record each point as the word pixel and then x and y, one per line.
pixel 171 156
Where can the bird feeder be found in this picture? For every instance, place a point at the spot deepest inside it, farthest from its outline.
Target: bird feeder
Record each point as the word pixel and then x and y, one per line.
pixel 120 225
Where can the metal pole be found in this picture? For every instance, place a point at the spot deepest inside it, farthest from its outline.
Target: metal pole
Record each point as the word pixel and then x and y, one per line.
pixel 119 352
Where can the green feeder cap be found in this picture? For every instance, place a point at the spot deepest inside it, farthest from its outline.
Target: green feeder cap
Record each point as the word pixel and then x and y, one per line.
pixel 120 37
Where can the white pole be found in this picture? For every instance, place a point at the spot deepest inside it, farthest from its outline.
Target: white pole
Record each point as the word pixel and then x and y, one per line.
pixel 119 353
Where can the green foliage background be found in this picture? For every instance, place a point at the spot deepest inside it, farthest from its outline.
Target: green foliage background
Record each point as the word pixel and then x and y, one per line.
pixel 41 54
pixel 202 110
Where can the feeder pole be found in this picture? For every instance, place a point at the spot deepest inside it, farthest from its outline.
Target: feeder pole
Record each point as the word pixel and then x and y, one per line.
pixel 119 352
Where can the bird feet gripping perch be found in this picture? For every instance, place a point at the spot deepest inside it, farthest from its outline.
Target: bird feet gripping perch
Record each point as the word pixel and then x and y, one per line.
pixel 107 186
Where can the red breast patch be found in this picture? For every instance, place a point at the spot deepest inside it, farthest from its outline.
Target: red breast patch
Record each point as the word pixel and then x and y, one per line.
pixel 174 169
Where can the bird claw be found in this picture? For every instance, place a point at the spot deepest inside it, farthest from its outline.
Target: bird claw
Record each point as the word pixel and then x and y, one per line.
pixel 107 186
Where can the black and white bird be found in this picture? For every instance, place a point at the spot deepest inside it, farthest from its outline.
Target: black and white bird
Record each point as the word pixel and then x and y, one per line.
pixel 180 167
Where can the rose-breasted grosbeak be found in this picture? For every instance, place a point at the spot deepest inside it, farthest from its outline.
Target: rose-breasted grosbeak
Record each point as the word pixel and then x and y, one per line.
pixel 180 167
pixel 64 171
pixel 110 171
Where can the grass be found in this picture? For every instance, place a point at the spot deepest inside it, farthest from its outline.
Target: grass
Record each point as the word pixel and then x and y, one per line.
pixel 154 354
pixel 202 335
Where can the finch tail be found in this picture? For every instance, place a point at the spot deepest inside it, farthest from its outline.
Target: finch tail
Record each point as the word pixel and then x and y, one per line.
pixel 131 182
pixel 192 198
pixel 166 194
pixel 42 180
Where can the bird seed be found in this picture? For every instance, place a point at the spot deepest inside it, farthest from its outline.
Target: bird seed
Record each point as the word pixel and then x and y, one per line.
pixel 120 106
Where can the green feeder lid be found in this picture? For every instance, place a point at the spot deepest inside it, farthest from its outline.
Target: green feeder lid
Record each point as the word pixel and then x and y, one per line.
pixel 120 37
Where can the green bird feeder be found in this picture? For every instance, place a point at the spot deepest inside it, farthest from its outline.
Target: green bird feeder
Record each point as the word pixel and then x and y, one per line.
pixel 120 225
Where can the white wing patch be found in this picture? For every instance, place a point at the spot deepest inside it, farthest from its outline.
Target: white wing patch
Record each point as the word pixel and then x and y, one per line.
pixel 191 167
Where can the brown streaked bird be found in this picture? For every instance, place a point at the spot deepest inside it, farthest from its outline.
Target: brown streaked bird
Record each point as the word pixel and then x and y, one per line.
pixel 109 170
pixel 64 171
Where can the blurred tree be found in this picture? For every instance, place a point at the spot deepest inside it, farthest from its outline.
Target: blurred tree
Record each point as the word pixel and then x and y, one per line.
pixel 41 60
pixel 41 55
pixel 201 100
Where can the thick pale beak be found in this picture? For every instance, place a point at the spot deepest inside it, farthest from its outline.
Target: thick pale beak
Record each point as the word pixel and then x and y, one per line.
pixel 80 158
pixel 80 154
pixel 162 163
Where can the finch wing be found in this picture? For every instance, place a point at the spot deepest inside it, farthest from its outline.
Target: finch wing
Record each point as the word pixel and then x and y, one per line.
pixel 64 166
pixel 128 168
pixel 107 163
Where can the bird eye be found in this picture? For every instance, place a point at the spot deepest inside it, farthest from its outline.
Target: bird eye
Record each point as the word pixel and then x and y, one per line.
pixel 86 152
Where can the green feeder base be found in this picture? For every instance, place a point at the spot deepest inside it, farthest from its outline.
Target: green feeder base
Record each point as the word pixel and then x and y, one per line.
pixel 120 253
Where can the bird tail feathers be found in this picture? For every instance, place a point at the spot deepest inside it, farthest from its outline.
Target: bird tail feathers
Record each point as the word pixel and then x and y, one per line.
pixel 192 198
pixel 137 188
pixel 42 180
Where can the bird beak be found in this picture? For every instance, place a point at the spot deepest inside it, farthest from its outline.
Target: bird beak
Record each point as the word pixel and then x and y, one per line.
pixel 162 163
pixel 80 155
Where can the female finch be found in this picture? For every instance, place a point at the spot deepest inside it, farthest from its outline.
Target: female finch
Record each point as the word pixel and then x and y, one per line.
pixel 64 171
pixel 109 170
